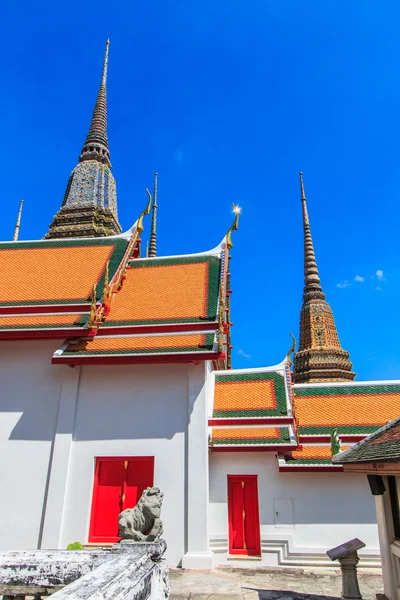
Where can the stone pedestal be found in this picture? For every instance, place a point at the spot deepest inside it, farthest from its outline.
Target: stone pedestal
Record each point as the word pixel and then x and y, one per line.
pixel 154 549
pixel 348 565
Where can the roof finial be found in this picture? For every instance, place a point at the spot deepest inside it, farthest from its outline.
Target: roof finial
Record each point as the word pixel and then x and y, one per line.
pixel 18 223
pixel 303 196
pixel 96 144
pixel 312 285
pixel 153 234
pixel 235 225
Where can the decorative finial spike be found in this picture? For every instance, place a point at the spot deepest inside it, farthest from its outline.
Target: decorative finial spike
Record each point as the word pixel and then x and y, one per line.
pixel 96 144
pixel 153 234
pixel 303 196
pixel 146 211
pixel 18 223
pixel 292 350
pixel 235 225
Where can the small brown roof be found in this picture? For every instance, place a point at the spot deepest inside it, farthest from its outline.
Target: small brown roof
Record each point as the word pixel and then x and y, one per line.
pixel 383 445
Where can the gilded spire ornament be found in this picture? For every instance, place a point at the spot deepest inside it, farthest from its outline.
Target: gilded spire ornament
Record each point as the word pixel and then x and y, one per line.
pixel 18 223
pixel 153 232
pixel 235 225
pixel 89 208
pixel 320 356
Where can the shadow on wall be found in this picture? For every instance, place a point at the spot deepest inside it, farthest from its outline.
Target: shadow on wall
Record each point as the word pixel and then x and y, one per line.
pixel 122 402
pixel 132 402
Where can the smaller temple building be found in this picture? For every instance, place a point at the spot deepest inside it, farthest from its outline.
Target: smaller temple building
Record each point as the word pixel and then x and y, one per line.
pixel 116 375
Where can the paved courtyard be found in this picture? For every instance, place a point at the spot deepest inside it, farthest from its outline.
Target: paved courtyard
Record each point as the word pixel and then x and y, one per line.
pixel 265 584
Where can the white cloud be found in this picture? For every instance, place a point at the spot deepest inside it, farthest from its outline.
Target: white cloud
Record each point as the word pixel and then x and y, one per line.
pixel 179 155
pixel 243 353
pixel 343 285
pixel 379 274
pixel 359 278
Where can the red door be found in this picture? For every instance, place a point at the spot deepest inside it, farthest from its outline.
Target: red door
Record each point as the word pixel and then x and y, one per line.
pixel 244 520
pixel 118 484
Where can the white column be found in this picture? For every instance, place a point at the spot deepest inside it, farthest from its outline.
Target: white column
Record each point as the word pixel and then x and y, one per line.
pixel 54 508
pixel 198 555
pixel 386 537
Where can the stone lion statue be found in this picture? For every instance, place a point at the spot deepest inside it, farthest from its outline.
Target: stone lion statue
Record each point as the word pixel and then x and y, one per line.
pixel 142 523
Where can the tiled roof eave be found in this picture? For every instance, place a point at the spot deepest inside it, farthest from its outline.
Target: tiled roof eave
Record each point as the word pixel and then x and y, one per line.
pixel 310 467
pixel 163 327
pixel 48 332
pixel 252 447
pixel 250 420
pixel 121 359
pixel 73 306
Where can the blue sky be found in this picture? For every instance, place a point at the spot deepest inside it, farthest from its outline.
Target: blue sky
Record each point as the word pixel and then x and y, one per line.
pixel 228 100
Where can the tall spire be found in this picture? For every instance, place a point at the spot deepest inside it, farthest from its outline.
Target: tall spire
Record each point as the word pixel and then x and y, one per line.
pixel 18 223
pixel 312 284
pixel 320 357
pixel 89 208
pixel 96 144
pixel 153 234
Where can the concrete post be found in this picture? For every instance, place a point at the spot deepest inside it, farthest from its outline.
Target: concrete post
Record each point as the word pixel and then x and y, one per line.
pixel 386 536
pixel 54 509
pixel 348 565
pixel 198 555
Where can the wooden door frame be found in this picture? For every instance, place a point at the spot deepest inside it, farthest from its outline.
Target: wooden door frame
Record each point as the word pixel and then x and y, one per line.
pixel 98 460
pixel 243 552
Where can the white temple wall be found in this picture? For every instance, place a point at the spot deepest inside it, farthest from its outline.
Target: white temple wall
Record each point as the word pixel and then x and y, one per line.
pixel 316 511
pixel 29 398
pixel 132 411
pixel 55 421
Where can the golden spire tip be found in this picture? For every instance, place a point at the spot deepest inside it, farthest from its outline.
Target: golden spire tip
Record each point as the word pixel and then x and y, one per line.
pixel 303 196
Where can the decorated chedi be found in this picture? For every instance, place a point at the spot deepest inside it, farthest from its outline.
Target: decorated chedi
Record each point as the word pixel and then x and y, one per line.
pixel 89 208
pixel 320 356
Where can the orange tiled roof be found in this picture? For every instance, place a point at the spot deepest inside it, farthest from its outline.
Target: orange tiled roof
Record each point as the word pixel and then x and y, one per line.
pixel 250 436
pixel 250 394
pixel 311 455
pixel 308 451
pixel 183 289
pixel 351 408
pixel 56 271
pixel 33 321
pixel 195 342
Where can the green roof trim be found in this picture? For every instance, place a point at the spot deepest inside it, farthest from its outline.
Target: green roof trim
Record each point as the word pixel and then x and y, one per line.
pixel 356 390
pixel 342 429
pixel 308 461
pixel 279 389
pixel 208 346
pixel 214 274
pixel 119 244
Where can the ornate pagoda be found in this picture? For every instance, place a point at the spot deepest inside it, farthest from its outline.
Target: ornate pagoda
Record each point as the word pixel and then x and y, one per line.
pixel 89 208
pixel 320 356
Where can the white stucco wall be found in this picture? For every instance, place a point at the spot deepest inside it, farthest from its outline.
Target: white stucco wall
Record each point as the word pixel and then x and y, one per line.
pixel 55 421
pixel 29 397
pixel 328 508
pixel 130 411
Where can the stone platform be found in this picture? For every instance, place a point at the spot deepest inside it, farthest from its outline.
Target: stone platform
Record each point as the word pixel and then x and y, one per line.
pixel 266 584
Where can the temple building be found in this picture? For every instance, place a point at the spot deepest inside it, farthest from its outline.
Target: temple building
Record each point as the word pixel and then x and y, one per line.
pixel 116 374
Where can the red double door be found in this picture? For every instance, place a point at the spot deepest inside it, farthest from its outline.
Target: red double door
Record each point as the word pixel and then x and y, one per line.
pixel 243 515
pixel 118 484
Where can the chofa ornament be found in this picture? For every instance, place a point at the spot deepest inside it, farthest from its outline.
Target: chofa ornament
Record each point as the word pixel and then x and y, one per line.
pixel 142 523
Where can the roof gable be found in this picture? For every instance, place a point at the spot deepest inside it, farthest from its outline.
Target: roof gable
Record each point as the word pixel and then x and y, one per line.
pixel 56 272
